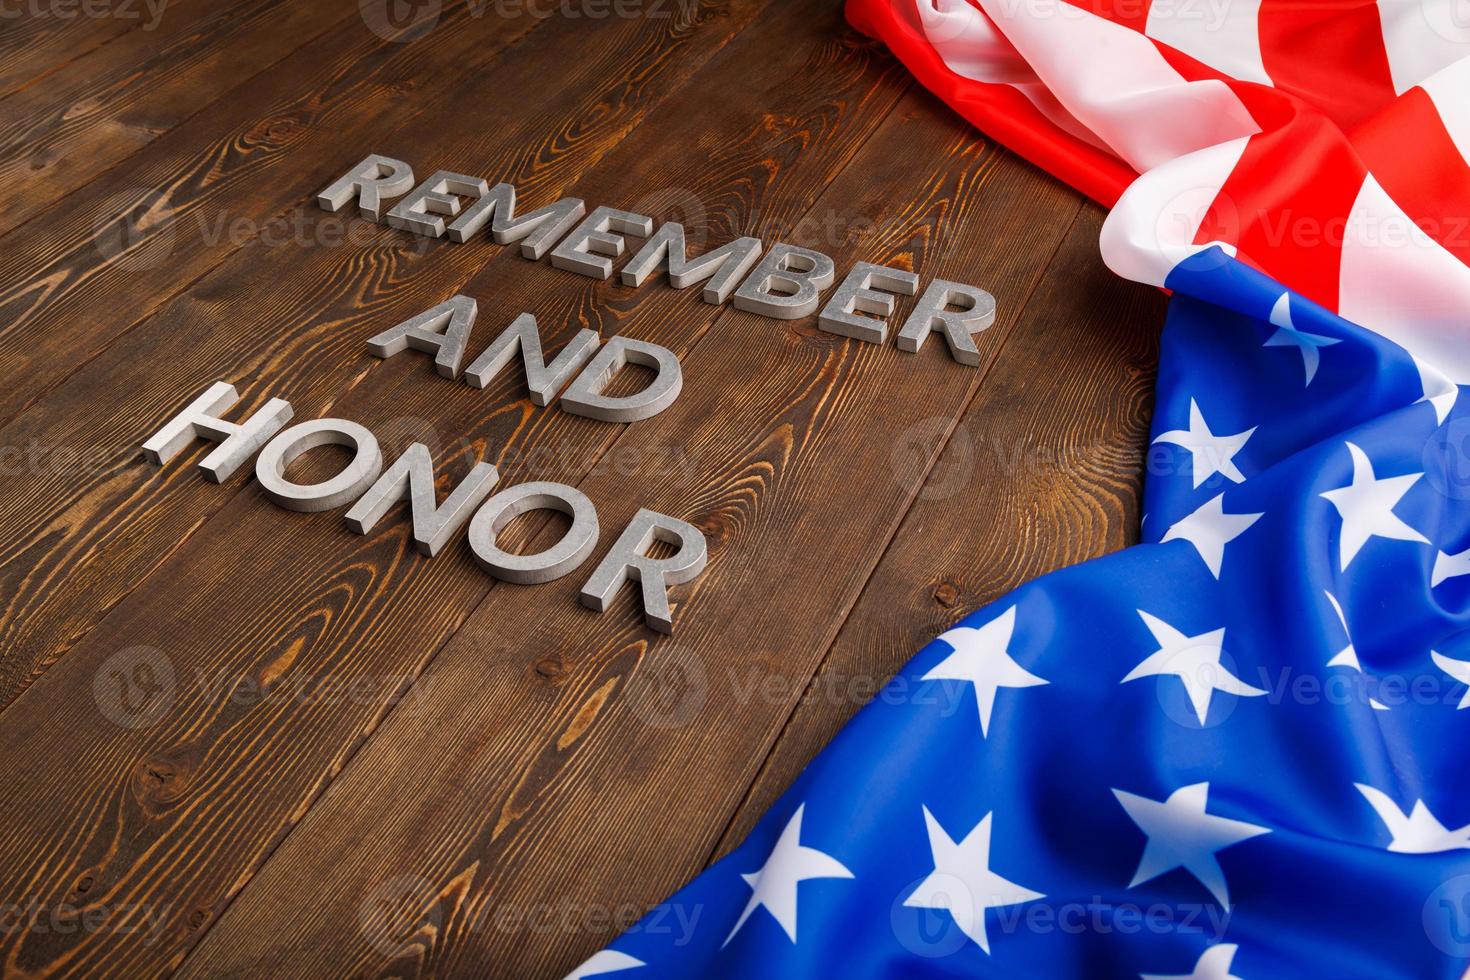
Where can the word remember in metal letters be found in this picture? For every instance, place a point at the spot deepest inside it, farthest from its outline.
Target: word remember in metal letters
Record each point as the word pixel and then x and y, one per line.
pixel 786 284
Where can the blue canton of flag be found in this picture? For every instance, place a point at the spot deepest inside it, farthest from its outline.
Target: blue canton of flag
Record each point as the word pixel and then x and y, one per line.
pixel 1234 750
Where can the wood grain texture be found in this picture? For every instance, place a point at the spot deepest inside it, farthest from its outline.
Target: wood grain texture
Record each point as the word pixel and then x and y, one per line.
pixel 101 260
pixel 1043 472
pixel 237 741
pixel 84 522
pixel 544 776
pixel 209 756
pixel 69 128
pixel 39 39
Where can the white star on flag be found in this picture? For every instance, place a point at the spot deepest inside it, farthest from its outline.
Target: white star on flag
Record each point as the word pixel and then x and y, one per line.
pixel 603 963
pixel 1447 566
pixel 1440 393
pixel 1367 504
pixel 1348 655
pixel 1415 832
pixel 1195 660
pixel 981 657
pixel 1209 453
pixel 1210 529
pixel 1458 669
pixel 1182 835
pixel 1213 964
pixel 962 883
pixel 1287 335
pixel 774 885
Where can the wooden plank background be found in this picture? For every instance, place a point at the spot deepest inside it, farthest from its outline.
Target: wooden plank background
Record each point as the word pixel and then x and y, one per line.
pixel 240 741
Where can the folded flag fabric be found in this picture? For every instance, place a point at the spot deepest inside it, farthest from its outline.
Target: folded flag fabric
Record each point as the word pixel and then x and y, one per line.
pixel 1238 748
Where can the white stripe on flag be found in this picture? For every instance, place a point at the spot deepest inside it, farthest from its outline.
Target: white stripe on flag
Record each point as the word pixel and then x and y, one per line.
pixel 1399 282
pixel 1423 36
pixel 1117 83
pixel 1153 226
pixel 1449 90
pixel 971 47
pixel 970 44
pixel 1226 36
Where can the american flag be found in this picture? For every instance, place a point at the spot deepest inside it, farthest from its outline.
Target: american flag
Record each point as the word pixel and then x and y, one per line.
pixel 1237 749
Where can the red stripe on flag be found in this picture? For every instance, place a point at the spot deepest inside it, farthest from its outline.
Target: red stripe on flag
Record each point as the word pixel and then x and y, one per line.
pixel 1286 204
pixel 1410 152
pixel 1330 53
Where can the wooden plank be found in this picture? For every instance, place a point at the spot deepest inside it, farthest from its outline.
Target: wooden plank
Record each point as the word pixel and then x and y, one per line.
pixel 539 781
pixel 1043 472
pixel 34 43
pixel 98 262
pixel 87 520
pixel 173 818
pixel 75 526
pixel 100 109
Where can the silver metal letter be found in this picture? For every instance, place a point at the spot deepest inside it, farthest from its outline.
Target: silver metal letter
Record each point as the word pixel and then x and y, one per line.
pixel 584 249
pixel 420 212
pixel 540 229
pixel 372 180
pixel 237 440
pixel 787 284
pixel 498 203
pixel 544 381
pixel 859 293
pixel 724 267
pixel 270 465
pixel 933 313
pixel 585 396
pixel 412 477
pixel 628 559
pixel 554 562
pixel 443 331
